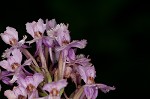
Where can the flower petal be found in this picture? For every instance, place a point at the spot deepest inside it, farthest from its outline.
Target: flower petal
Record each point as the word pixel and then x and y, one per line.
pixel 10 94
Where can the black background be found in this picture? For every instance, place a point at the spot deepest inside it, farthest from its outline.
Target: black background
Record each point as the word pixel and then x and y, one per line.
pixel 117 31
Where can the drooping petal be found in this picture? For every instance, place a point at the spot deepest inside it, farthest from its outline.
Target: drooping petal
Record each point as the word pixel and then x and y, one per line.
pixel 104 88
pixel 91 92
pixel 74 44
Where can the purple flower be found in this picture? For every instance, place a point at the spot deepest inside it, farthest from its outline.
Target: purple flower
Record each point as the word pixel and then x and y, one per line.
pixel 10 36
pixel 54 88
pixel 36 29
pixel 17 93
pixel 13 62
pixel 87 73
pixel 30 82
pixel 60 33
pixel 91 91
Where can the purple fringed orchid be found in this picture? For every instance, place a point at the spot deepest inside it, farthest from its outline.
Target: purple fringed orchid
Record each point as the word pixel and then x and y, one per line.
pixel 13 64
pixel 54 88
pixel 88 74
pixel 45 75
pixel 17 93
pixel 36 29
pixel 30 82
pixel 10 36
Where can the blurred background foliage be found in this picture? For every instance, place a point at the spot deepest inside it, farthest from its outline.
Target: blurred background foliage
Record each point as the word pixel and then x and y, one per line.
pixel 117 31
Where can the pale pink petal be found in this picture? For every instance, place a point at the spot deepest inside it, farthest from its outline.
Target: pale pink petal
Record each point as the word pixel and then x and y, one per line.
pixel 4 64
pixel 82 72
pixel 38 78
pixel 6 38
pixel 90 71
pixel 29 28
pixel 41 26
pixel 48 87
pixel 17 55
pixel 61 84
pixel 12 31
pixel 10 94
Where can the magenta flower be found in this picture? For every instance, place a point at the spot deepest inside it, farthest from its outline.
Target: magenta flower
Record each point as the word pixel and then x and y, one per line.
pixel 30 82
pixel 54 88
pixel 10 36
pixel 36 29
pixel 17 93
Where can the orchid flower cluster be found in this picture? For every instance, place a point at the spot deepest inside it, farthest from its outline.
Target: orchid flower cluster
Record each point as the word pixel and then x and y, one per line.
pixel 53 66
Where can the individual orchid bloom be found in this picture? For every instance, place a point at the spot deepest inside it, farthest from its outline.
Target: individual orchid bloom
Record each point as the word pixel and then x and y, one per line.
pixel 60 33
pixel 91 91
pixel 31 82
pixel 36 29
pixel 18 92
pixel 10 36
pixel 19 44
pixel 50 24
pixel 54 88
pixel 13 62
pixel 87 73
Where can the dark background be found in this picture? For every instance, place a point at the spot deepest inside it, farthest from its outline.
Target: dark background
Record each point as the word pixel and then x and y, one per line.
pixel 117 31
